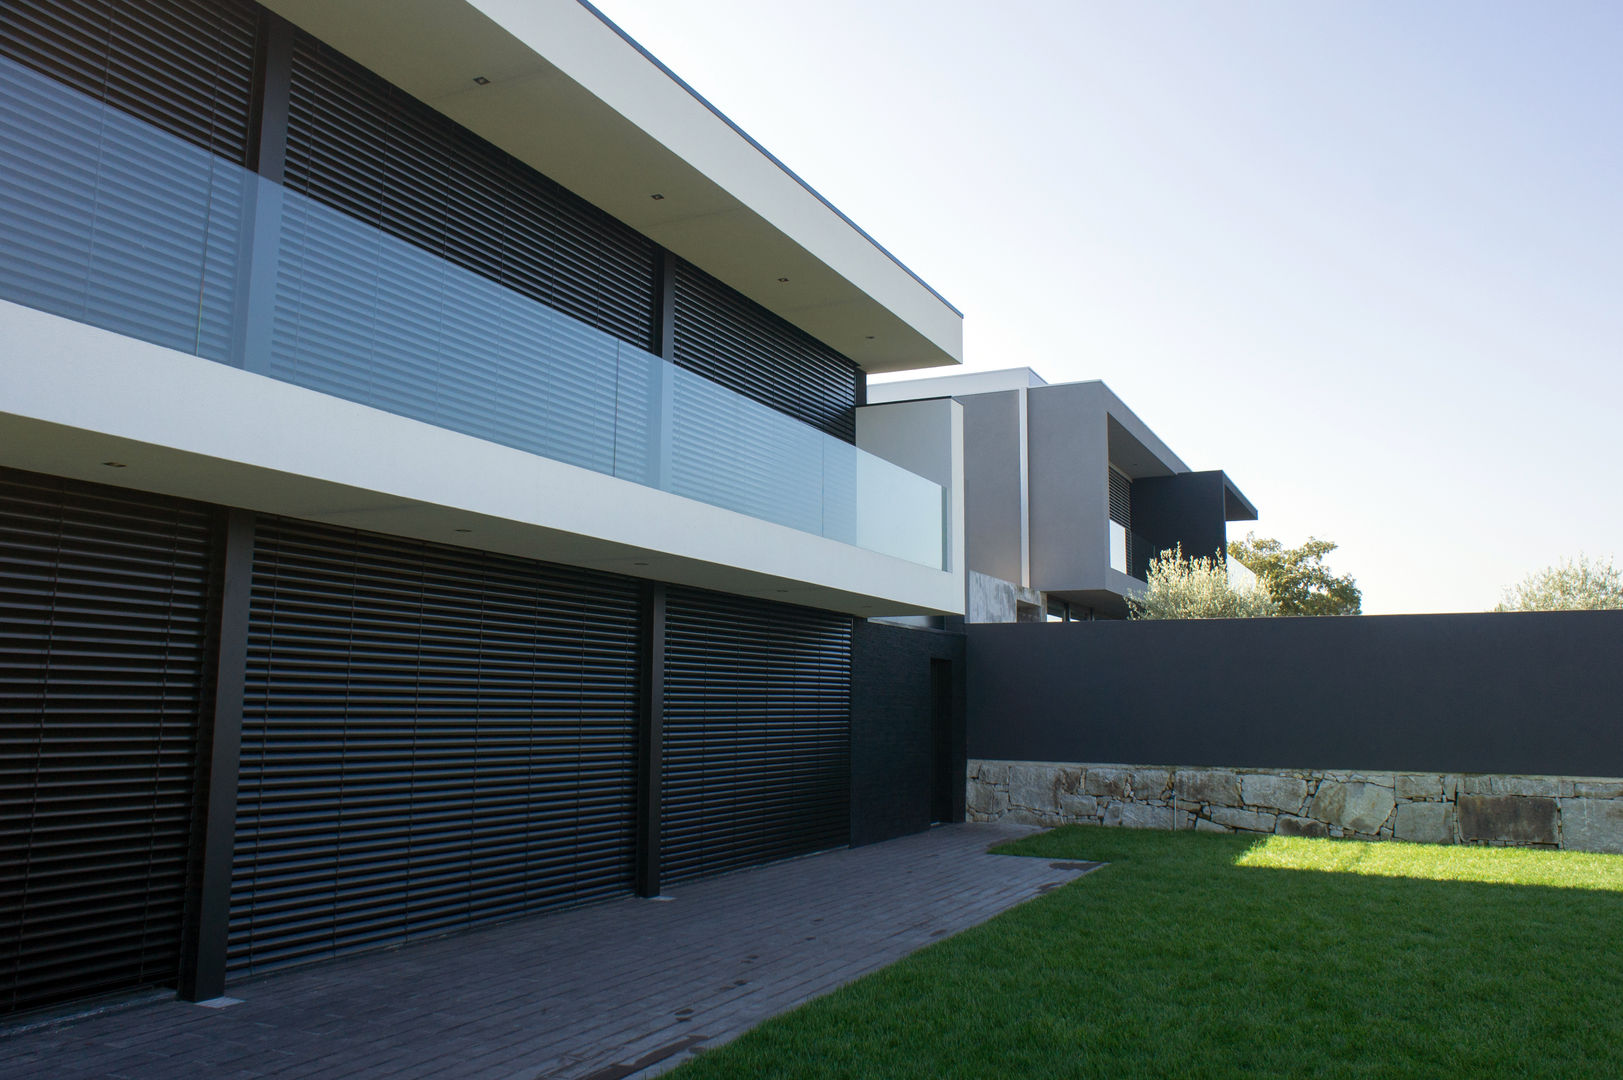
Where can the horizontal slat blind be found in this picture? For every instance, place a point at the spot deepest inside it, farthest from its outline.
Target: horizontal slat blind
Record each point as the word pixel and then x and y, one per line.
pixel 1121 499
pixel 122 128
pixel 357 143
pixel 432 738
pixel 730 339
pixel 757 733
pixel 103 610
pixel 184 66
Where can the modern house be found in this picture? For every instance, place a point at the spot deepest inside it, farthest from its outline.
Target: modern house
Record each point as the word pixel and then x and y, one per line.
pixel 1068 495
pixel 435 486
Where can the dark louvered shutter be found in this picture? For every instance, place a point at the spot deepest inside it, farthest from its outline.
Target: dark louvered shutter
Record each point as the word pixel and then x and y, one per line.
pixel 367 148
pixel 184 66
pixel 103 610
pixel 123 127
pixel 432 738
pixel 1121 500
pixel 757 733
pixel 730 339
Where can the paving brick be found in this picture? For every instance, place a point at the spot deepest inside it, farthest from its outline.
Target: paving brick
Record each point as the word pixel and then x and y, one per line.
pixel 566 994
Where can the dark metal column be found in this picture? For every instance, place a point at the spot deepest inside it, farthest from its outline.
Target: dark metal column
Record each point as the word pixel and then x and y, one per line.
pixel 260 229
pixel 273 87
pixel 666 298
pixel 202 974
pixel 650 738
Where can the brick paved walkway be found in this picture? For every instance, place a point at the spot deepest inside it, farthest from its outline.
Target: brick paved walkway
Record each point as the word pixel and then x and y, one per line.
pixel 617 990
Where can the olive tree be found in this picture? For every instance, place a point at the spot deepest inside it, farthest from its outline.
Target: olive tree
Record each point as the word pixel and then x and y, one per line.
pixel 1184 588
pixel 1570 585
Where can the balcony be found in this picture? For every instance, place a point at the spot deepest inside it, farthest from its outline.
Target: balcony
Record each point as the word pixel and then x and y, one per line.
pixel 109 222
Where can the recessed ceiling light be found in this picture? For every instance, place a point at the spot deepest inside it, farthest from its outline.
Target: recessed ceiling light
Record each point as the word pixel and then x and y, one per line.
pixel 639 564
pixel 114 464
pixel 464 530
pixel 870 337
pixel 783 590
pixel 656 196
pixel 783 280
pixel 480 80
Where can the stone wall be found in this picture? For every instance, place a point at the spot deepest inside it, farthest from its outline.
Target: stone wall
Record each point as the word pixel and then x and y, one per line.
pixel 1577 813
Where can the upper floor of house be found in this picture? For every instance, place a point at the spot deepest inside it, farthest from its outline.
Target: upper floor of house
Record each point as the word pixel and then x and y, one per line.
pixel 481 272
pixel 1069 494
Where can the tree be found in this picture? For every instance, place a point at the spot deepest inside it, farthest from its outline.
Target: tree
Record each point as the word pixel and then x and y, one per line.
pixel 1297 578
pixel 1181 588
pixel 1578 585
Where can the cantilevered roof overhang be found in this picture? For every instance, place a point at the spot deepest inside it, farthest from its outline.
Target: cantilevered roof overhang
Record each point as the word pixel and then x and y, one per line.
pixel 561 88
pixel 1236 507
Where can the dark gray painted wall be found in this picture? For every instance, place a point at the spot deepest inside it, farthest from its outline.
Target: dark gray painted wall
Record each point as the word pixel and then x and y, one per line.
pixel 1187 510
pixel 892 744
pixel 1533 693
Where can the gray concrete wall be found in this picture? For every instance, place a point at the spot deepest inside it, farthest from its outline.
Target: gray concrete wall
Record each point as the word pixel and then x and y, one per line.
pixel 1070 486
pixel 926 438
pixel 994 507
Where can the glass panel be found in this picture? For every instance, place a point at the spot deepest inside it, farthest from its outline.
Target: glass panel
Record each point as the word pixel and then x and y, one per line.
pixel 1118 547
pixel 108 221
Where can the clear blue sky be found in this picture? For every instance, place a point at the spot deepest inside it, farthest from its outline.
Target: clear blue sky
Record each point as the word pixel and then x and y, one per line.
pixel 1366 257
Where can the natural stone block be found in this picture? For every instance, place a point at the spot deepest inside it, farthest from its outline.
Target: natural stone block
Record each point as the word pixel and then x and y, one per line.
pixel 987 800
pixel 1139 816
pixel 1514 819
pixel 1110 783
pixel 1598 789
pixel 1545 786
pixel 1424 823
pixel 1151 783
pixel 1592 825
pixel 1202 825
pixel 1210 786
pixel 1074 808
pixel 1300 826
pixel 1273 791
pixel 1248 820
pixel 1019 815
pixel 1355 805
pixel 1112 814
pixel 1380 779
pixel 1419 786
pixel 992 772
pixel 1033 786
pixel 1068 781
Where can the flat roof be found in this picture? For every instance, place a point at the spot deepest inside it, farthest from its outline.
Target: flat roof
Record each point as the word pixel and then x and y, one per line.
pixel 569 93
pixel 957 384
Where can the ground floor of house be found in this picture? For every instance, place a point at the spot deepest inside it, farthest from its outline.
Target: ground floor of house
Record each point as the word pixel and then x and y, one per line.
pixel 233 742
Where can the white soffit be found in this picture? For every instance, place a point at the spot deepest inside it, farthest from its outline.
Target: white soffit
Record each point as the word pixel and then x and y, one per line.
pixel 572 97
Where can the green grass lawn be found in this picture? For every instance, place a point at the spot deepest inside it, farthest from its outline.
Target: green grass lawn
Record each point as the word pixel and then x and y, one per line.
pixel 1208 955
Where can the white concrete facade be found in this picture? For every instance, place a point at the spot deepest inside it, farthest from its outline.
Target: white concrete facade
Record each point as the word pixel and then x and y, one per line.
pixel 73 397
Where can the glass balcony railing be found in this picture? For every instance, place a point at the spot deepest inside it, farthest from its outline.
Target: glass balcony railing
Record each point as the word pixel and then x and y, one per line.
pixel 108 221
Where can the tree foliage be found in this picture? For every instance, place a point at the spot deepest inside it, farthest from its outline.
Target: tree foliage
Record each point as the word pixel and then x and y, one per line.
pixel 1297 578
pixel 1183 588
pixel 1570 585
